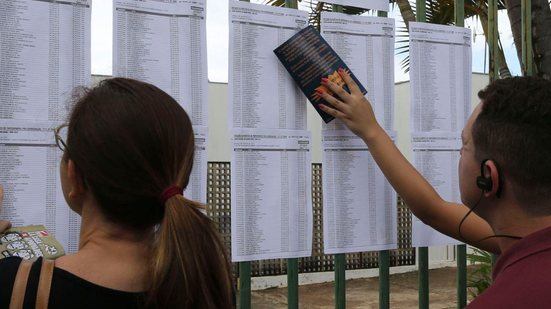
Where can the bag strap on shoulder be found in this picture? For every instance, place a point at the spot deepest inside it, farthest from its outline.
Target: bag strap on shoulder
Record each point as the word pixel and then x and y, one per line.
pixel 44 284
pixel 20 285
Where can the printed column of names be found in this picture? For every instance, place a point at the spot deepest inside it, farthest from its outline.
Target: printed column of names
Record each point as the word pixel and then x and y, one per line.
pixel 30 175
pixel 271 165
pixel 164 43
pixel 358 202
pixel 44 55
pixel 359 212
pixel 440 104
pixel 270 189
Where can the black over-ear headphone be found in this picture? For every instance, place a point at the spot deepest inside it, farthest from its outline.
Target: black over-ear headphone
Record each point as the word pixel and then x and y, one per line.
pixel 485 183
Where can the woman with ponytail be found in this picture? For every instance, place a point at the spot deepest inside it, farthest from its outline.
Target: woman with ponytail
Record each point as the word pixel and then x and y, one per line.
pixel 127 158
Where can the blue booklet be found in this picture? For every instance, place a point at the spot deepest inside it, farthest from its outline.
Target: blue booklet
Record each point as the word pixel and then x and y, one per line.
pixel 308 58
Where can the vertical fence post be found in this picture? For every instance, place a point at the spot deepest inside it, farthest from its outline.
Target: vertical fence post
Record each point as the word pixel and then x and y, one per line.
pixel 459 11
pixel 384 257
pixel 423 255
pixel 384 279
pixel 292 283
pixel 292 263
pixel 493 39
pixel 421 12
pixel 340 281
pixel 340 259
pixel 423 252
pixel 461 276
pixel 245 277
pixel 526 26
pixel 245 285
pixel 461 282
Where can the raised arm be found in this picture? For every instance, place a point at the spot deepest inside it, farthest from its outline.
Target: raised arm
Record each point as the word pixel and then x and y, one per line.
pixel 4 225
pixel 355 111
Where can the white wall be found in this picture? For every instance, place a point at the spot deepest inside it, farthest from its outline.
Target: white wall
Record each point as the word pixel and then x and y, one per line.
pixel 219 135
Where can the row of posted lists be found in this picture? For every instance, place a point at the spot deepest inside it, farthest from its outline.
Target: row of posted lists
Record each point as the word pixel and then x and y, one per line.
pixel 271 165
pixel 359 205
pixel 45 53
pixel 440 98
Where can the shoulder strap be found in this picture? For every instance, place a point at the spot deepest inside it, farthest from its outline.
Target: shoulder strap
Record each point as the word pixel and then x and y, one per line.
pixel 20 285
pixel 44 284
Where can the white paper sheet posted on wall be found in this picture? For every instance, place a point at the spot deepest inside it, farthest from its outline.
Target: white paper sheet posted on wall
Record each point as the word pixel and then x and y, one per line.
pixel 271 194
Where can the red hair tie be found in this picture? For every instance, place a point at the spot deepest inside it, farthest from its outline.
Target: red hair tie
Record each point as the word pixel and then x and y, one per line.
pixel 170 192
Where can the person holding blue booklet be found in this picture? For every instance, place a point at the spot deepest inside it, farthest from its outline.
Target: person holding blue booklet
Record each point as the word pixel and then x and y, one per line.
pixel 504 181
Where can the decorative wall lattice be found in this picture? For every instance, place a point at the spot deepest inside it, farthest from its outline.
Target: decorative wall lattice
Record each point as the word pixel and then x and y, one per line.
pixel 219 209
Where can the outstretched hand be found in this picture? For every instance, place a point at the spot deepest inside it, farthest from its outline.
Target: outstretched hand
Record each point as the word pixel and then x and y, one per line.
pixel 353 109
pixel 4 225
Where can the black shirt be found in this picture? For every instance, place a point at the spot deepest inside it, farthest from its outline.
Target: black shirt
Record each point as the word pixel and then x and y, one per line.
pixel 67 291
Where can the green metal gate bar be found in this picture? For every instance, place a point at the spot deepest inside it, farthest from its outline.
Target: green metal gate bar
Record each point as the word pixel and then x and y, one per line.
pixel 340 281
pixel 526 9
pixel 340 259
pixel 461 282
pixel 423 282
pixel 292 264
pixel 461 257
pixel 423 252
pixel 384 257
pixel 245 285
pixel 292 283
pixel 384 279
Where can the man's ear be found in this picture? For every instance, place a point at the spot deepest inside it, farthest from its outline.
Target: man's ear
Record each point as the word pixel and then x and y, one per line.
pixel 75 180
pixel 492 172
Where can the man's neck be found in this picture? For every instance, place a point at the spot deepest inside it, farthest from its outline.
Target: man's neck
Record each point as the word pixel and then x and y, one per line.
pixel 518 225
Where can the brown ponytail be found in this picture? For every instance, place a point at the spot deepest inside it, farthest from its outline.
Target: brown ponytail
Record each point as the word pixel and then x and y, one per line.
pixel 190 265
pixel 130 141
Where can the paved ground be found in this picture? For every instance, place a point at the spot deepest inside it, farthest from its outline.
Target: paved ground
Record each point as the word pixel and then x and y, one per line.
pixel 364 293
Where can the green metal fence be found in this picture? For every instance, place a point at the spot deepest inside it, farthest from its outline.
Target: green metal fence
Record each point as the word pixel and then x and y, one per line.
pixel 384 257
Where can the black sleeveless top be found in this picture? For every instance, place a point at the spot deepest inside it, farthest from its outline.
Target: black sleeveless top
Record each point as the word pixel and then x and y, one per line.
pixel 67 291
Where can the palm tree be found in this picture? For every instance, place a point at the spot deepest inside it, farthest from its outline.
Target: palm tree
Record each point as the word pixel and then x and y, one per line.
pixel 541 33
pixel 441 12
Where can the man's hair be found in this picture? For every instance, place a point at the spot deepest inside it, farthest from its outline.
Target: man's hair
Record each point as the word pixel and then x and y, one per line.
pixel 514 129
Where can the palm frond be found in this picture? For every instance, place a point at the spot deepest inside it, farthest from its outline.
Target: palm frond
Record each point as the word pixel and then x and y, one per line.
pixel 481 278
pixel 437 12
pixel 276 2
